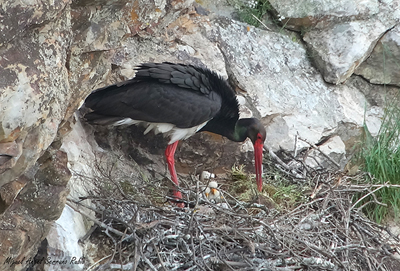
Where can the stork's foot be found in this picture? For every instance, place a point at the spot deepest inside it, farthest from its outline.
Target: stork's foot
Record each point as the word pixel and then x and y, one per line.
pixel 178 196
pixel 169 154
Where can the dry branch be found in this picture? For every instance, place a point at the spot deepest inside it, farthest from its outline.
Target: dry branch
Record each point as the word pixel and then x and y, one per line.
pixel 326 233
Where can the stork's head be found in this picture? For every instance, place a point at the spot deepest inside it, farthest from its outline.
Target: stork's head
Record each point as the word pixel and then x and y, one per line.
pixel 255 130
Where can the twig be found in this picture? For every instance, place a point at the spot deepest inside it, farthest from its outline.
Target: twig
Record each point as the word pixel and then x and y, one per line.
pixel 158 255
pixel 115 246
pixel 101 224
pixel 147 261
pixel 318 149
pixel 366 195
pixel 239 237
pixel 283 164
pixel 99 261
pixel 87 235
pixel 255 17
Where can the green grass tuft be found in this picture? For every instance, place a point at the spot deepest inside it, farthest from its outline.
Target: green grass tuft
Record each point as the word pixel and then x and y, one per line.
pixel 380 156
pixel 287 197
pixel 246 11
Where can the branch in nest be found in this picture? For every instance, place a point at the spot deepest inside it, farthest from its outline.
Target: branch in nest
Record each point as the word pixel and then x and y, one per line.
pixel 319 150
pixel 366 195
pixel 101 224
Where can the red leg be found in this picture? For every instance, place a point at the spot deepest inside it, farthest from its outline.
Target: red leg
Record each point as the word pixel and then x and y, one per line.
pixel 169 154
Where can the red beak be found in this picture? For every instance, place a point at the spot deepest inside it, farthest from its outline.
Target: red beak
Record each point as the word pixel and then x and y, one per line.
pixel 258 154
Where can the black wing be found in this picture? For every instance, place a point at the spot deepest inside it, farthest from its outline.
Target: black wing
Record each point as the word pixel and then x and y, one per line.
pixel 182 95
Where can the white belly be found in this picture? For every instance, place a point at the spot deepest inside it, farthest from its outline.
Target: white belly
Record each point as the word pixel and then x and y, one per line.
pixel 168 129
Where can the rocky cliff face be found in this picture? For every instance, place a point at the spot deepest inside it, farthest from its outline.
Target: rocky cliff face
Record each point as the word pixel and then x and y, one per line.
pixel 321 86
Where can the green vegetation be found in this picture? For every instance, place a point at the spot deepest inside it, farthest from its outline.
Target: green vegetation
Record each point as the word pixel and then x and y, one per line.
pixel 242 186
pixel 287 197
pixel 248 10
pixel 277 188
pixel 380 156
pixel 128 188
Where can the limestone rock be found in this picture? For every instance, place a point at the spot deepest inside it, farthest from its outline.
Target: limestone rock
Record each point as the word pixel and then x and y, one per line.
pixel 34 88
pixel 31 206
pixel 309 13
pixel 340 49
pixel 54 53
pixel 382 66
pixel 21 238
pixel 340 34
pixel 19 16
pixel 53 170
pixel 286 90
pixel 10 191
pixel 63 241
pixel 9 153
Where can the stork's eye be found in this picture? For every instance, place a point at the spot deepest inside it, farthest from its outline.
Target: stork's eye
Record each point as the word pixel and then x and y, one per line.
pixel 259 136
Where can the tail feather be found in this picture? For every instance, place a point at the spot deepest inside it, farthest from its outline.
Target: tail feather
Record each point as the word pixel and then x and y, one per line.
pixel 97 119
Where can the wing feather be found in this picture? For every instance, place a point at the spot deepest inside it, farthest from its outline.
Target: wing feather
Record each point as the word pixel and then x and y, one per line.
pixel 182 95
pixel 155 102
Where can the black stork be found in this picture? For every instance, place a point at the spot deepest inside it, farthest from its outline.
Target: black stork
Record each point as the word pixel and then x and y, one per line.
pixel 178 100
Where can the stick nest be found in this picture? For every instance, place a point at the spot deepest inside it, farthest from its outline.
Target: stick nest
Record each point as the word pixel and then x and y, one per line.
pixel 326 232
